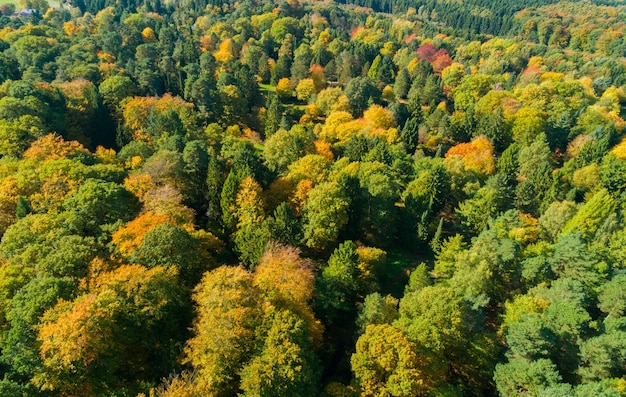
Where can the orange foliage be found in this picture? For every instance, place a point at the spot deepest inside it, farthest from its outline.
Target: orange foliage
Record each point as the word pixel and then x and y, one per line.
pixel 441 62
pixel 323 149
pixel 301 194
pixel 128 238
pixel 52 147
pixel 288 281
pixel 477 155
pixel 137 110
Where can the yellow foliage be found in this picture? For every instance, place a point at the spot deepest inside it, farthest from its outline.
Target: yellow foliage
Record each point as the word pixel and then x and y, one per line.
pixel 8 202
pixel 587 178
pixel 522 304
pixel 106 156
pixel 341 105
pixel 288 281
pixel 331 130
pixel 283 88
pixel 620 150
pixel 226 51
pixel 137 110
pixel 535 61
pixel 312 166
pixel 148 36
pixel 388 94
pixel 527 233
pixel 305 89
pixel 371 263
pixel 139 184
pixel 70 28
pixel 379 117
pixel 134 163
pixel 390 135
pixel 249 209
pixel 552 76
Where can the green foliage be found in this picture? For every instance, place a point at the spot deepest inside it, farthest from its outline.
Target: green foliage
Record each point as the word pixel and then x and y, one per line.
pixel 285 365
pixel 503 261
pixel 530 376
pixel 589 217
pixel 325 215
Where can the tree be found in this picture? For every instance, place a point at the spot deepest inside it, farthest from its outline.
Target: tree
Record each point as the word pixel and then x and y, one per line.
pixel 252 235
pixel 387 362
pixel 97 203
pixel 530 376
pixel 305 90
pixel 325 215
pixel 402 84
pixel 589 217
pixel 285 365
pixel 477 155
pixel 168 245
pixel 20 350
pixel 224 331
pixel 376 310
pixel 361 91
pixel 284 88
pixel 133 316
pixel 273 116
pixel 410 134
pixel 339 283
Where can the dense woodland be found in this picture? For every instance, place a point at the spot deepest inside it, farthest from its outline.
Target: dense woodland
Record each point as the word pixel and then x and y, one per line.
pixel 313 198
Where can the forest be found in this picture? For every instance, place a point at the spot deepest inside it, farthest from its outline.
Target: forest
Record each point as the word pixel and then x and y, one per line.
pixel 312 198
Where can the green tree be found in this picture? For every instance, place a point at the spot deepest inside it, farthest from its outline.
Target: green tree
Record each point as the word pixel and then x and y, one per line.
pixel 285 365
pixel 325 215
pixel 528 376
pixel 377 309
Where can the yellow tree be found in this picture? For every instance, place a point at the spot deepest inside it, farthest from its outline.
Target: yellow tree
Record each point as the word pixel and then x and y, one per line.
pixel 228 315
pixel 386 363
pixel 305 89
pixel 288 281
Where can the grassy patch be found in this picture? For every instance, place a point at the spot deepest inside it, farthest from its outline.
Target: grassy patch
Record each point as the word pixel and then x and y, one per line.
pixel 263 87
